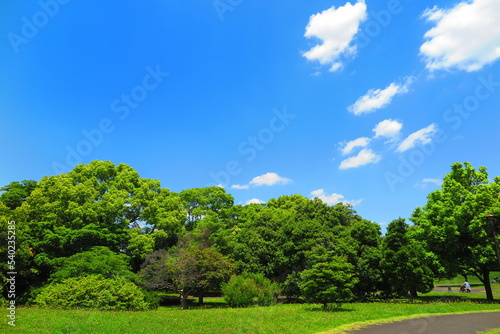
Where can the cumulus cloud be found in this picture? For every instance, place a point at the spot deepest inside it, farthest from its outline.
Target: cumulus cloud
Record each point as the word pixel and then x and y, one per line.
pixel 336 28
pixel 350 146
pixel 333 199
pixel 238 186
pixel 465 37
pixel 376 99
pixel 388 128
pixel 254 201
pixel 364 157
pixel 423 136
pixel 269 179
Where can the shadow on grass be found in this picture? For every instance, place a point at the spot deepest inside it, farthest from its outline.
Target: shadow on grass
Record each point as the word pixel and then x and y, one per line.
pixel 456 298
pixel 329 308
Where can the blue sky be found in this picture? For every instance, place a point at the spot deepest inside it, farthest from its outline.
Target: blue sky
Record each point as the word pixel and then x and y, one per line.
pixel 368 102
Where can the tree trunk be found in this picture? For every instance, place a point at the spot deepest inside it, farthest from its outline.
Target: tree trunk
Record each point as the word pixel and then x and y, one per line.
pixel 200 299
pixel 487 284
pixel 184 299
pixel 413 293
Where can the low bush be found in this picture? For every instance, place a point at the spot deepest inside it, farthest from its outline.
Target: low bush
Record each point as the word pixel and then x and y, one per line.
pixel 240 291
pixel 94 292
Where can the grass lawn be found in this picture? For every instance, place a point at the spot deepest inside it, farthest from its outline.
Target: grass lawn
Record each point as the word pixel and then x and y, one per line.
pixel 215 318
pixel 460 279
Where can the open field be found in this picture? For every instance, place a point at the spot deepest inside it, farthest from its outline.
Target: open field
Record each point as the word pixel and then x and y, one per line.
pixel 215 318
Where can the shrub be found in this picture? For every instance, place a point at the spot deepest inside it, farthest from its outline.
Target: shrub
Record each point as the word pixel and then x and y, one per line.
pixel 95 292
pixel 240 291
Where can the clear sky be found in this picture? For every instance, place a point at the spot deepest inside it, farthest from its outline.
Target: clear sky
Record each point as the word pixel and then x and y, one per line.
pixel 368 102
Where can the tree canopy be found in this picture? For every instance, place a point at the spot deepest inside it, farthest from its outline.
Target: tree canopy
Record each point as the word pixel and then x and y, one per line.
pixel 104 220
pixel 453 226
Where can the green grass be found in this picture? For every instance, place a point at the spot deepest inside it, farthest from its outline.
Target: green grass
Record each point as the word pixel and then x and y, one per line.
pixel 282 318
pixel 460 279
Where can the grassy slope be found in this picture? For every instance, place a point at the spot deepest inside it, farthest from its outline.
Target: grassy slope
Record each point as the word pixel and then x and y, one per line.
pixel 276 319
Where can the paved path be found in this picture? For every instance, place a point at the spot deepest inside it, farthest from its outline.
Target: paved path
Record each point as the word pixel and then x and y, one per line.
pixel 469 323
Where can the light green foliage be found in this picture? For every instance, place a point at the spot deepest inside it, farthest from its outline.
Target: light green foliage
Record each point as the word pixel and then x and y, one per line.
pixel 330 279
pixel 241 290
pixel 95 292
pixel 405 264
pixel 453 223
pixel 200 202
pixel 99 260
pixel 139 246
pixel 92 205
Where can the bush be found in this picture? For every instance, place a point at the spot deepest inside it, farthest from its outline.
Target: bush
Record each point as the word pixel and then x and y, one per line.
pixel 240 291
pixel 95 292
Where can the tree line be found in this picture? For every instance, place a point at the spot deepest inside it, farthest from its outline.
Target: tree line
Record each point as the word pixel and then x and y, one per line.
pixel 101 227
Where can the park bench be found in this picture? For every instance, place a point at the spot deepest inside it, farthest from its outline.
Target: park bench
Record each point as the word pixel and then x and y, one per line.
pixel 449 286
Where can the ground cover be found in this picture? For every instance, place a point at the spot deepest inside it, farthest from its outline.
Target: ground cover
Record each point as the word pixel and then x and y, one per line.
pixel 216 318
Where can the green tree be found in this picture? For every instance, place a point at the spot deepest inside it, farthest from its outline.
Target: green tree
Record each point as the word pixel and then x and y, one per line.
pixel 200 202
pixel 330 279
pixel 92 205
pixel 15 193
pixel 192 271
pixel 363 238
pixel 405 264
pixel 453 226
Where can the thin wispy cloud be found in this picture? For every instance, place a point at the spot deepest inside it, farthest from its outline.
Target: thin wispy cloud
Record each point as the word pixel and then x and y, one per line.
pixel 364 157
pixel 426 182
pixel 465 37
pixel 350 146
pixel 376 99
pixel 336 28
pixel 238 186
pixel 422 136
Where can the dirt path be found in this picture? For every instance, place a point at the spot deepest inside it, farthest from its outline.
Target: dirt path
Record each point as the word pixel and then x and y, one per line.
pixel 469 323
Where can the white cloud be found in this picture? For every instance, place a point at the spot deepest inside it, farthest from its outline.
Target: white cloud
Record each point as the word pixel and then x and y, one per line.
pixel 269 179
pixel 437 182
pixel 378 98
pixel 237 186
pixel 423 136
pixel 425 183
pixel 465 37
pixel 336 28
pixel 364 157
pixel 350 146
pixel 254 201
pixel 388 128
pixel 333 198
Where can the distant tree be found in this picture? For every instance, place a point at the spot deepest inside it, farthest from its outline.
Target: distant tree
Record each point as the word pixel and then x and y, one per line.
pixel 330 279
pixel 453 225
pixel 405 264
